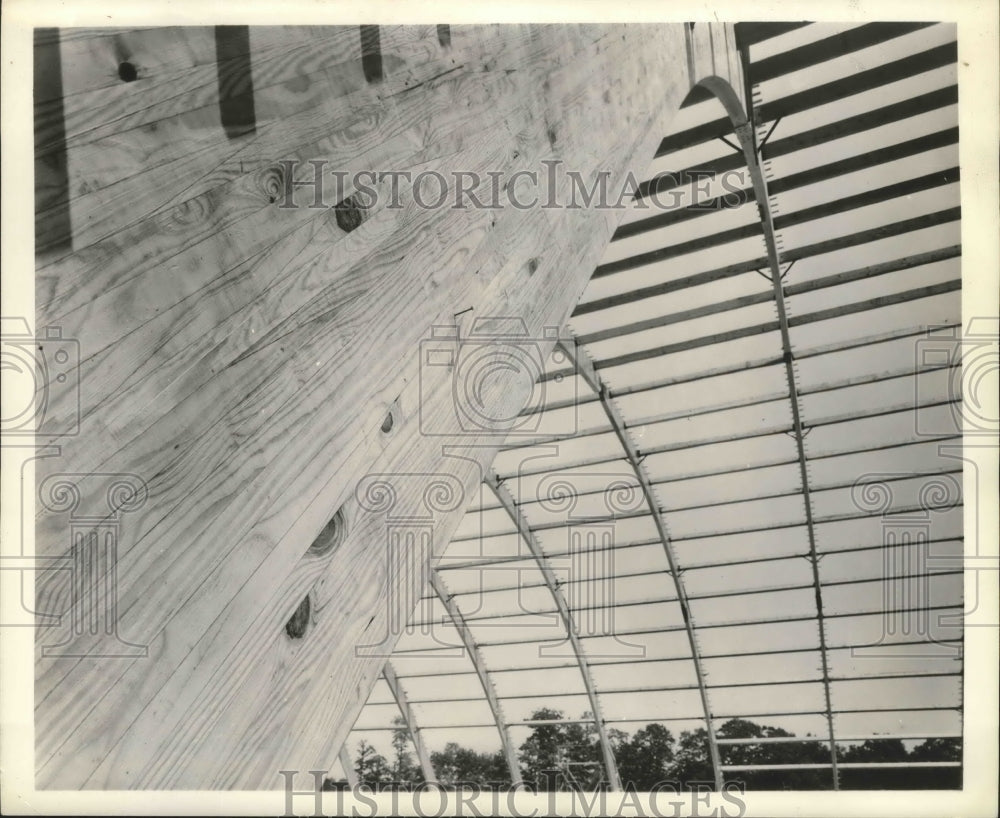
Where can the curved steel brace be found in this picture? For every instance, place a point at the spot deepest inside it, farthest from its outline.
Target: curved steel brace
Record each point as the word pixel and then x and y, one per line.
pixel 726 94
pixel 510 754
pixel 389 674
pixel 585 368
pixel 505 498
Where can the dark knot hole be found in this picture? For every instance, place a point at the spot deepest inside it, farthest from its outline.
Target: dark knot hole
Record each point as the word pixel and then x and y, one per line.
pixel 127 72
pixel 296 626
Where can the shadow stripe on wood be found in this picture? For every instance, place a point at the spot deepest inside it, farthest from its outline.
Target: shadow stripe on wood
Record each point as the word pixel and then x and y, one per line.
pixel 236 100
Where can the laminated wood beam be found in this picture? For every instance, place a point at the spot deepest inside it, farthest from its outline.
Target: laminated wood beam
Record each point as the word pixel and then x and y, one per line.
pixel 347 765
pixel 479 665
pixel 410 719
pixel 566 616
pixel 587 371
pixel 250 365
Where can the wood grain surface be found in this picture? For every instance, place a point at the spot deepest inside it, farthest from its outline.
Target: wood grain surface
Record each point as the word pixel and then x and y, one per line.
pixel 240 358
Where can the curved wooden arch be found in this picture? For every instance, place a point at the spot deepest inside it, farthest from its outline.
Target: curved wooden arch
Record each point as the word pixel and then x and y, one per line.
pixel 744 127
pixel 350 774
pixel 506 500
pixel 585 368
pixel 423 757
pixel 476 657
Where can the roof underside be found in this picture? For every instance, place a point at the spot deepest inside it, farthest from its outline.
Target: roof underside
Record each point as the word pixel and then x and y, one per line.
pixel 738 495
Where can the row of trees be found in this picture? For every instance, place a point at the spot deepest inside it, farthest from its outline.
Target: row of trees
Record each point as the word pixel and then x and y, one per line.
pixel 653 755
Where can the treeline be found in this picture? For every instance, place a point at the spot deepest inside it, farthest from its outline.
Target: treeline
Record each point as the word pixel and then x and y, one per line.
pixel 565 755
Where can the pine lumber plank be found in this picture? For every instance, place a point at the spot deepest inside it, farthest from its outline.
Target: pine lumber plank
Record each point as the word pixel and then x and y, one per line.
pixel 205 322
pixel 181 422
pixel 152 303
pixel 187 152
